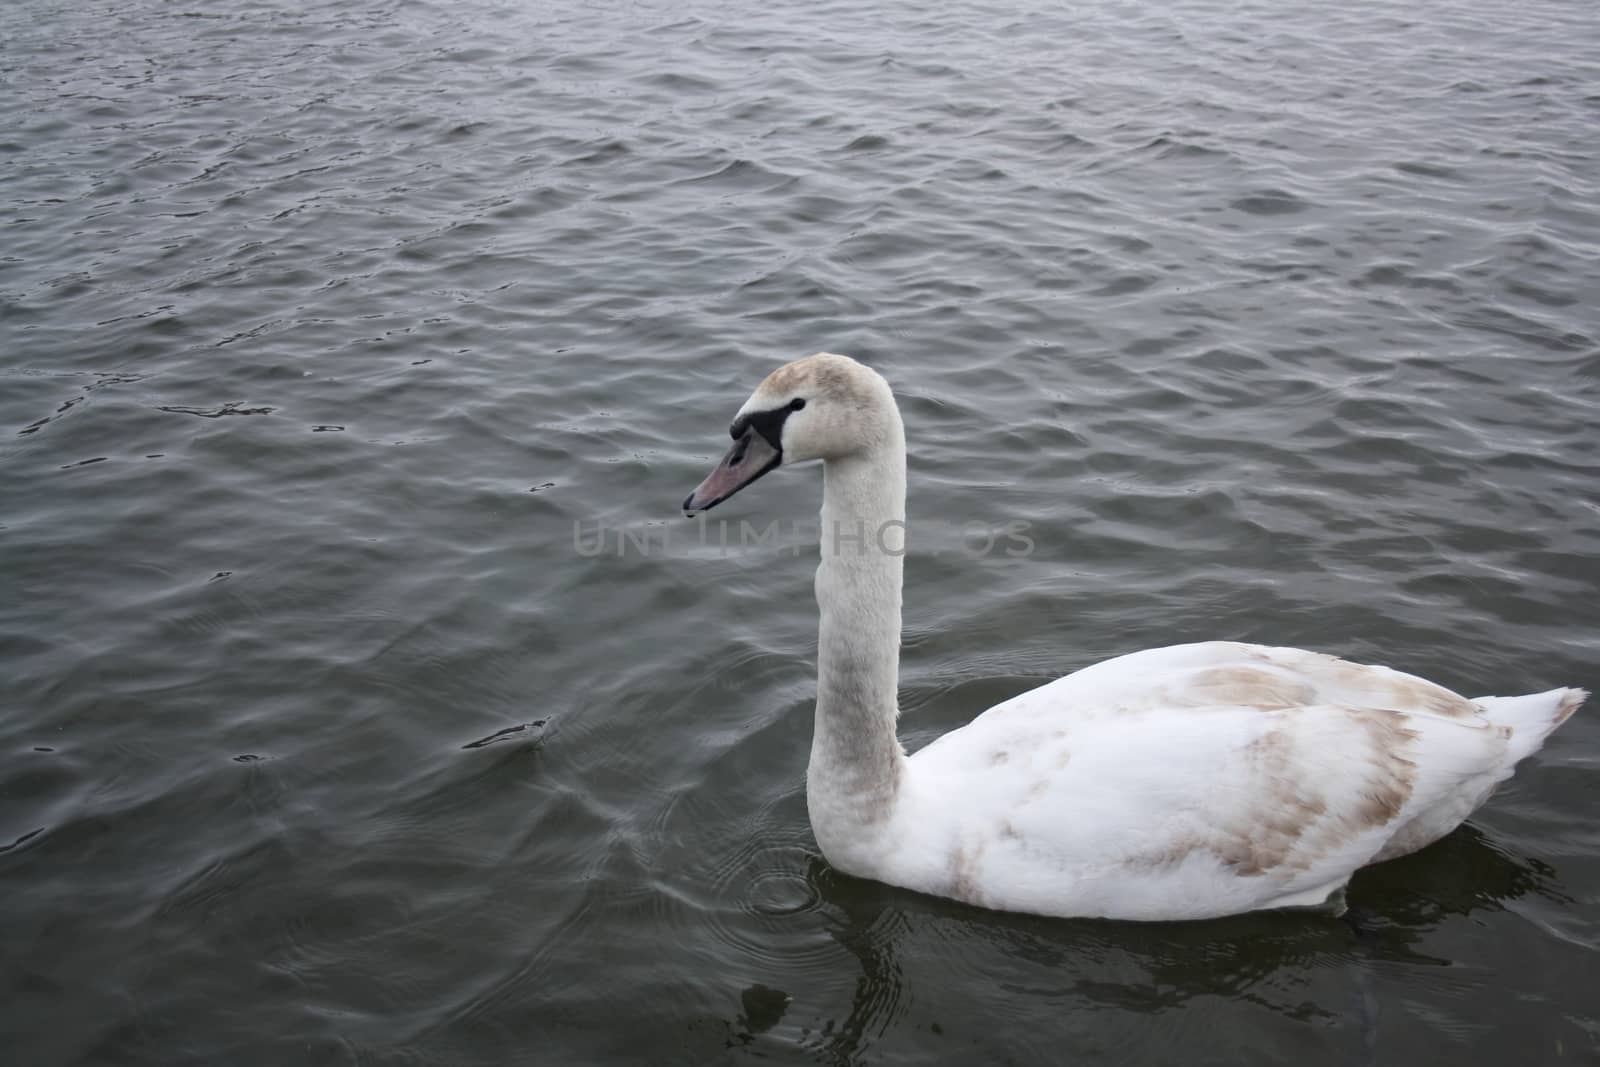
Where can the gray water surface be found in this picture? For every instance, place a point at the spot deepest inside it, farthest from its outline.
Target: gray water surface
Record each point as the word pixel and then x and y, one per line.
pixel 324 328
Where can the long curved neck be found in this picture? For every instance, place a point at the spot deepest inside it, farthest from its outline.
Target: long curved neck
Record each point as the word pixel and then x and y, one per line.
pixel 856 761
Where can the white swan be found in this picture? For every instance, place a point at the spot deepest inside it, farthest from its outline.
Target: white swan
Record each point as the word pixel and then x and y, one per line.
pixel 1176 783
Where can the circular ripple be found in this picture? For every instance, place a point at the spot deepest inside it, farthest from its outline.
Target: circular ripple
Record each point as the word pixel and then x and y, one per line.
pixel 778 887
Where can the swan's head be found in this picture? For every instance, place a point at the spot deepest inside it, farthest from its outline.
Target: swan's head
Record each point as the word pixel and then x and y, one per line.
pixel 820 407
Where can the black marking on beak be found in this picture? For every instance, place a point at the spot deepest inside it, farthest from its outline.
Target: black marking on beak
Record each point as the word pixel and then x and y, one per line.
pixel 757 449
pixel 769 424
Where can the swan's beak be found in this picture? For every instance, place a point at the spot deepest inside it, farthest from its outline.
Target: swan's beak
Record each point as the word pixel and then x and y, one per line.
pixel 750 457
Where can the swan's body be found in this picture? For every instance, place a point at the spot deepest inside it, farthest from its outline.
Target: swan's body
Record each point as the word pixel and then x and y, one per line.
pixel 1183 782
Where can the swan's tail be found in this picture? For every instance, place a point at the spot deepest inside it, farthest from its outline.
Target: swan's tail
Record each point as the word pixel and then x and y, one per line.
pixel 1528 720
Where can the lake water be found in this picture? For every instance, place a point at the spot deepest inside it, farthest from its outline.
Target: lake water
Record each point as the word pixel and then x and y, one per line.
pixel 336 337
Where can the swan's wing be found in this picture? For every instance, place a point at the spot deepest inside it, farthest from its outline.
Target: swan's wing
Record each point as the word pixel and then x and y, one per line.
pixel 1174 812
pixel 1337 681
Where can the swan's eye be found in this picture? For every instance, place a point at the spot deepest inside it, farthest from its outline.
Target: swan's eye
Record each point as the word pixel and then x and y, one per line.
pixel 797 403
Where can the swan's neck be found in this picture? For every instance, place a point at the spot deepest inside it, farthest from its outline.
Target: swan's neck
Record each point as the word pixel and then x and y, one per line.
pixel 857 764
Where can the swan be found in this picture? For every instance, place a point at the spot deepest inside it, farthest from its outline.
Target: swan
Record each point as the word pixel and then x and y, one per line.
pixel 1187 782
